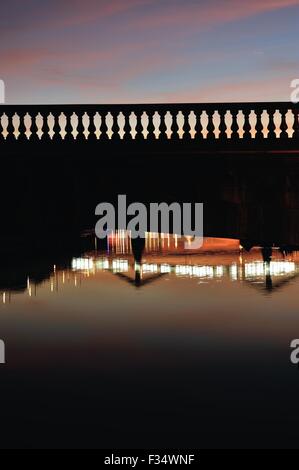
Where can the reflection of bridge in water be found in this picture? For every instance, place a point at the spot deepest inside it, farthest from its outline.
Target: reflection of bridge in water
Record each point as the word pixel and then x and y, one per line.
pixel 163 256
pixel 60 162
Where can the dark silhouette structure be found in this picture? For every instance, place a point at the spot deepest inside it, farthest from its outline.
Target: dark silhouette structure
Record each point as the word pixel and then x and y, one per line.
pixel 163 128
pixel 58 162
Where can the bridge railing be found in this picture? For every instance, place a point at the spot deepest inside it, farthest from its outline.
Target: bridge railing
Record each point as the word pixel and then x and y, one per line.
pixel 148 122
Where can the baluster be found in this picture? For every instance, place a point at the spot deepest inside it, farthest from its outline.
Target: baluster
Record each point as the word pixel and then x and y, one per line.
pixel 68 127
pixel 139 127
pixel 259 125
pixel 22 128
pixel 271 125
pixel 222 125
pixel 151 128
pixel 198 126
pixel 210 126
pixel 104 127
pixel 45 128
pixel 80 127
pixel 56 127
pixel 10 127
pixel 115 126
pixel 284 127
pixel 163 127
pixel 247 125
pixel 127 125
pixel 235 125
pixel 296 123
pixel 186 125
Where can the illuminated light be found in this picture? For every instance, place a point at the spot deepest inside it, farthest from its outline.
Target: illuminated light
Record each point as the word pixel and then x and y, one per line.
pixel 274 268
pixel 75 282
pixel 52 285
pixel 219 271
pixel 137 267
pixel 120 266
pixel 4 297
pixel 102 264
pixel 165 268
pixel 29 288
pixel 150 268
pixel 63 277
pixel 81 264
pixel 54 268
pixel 189 240
pixel 233 272
pixel 184 270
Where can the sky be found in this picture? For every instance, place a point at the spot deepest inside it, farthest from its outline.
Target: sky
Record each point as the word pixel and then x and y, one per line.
pixel 148 51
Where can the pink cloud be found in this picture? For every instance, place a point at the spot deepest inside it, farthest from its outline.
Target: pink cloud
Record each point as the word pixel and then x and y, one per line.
pixel 263 89
pixel 14 60
pixel 211 13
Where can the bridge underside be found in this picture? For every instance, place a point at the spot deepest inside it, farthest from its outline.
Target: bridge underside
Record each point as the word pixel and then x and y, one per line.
pixel 169 148
pixel 50 192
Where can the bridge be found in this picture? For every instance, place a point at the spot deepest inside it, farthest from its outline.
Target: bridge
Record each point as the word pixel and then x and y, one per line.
pixel 173 128
pixel 59 161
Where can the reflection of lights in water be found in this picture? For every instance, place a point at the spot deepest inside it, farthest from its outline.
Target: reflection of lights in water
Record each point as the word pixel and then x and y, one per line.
pixel 120 266
pixel 274 268
pixel 219 271
pixel 102 264
pixel 234 271
pixel 29 287
pixel 81 264
pixel 194 271
pixel 137 267
pixel 150 268
pixel 89 266
pixel 165 268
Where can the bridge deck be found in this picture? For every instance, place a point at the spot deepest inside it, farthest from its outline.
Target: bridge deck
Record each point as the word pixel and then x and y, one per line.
pixel 153 128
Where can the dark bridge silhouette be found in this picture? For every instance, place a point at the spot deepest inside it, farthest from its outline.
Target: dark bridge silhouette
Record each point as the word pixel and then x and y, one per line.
pixel 155 127
pixel 59 162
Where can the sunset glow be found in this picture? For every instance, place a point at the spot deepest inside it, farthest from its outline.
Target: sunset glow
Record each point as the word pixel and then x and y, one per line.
pixel 148 50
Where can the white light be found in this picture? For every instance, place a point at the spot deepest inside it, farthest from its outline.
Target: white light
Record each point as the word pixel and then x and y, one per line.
pixel 150 268
pixel 274 268
pixel 233 272
pixel 102 264
pixel 120 266
pixel 165 268
pixel 82 264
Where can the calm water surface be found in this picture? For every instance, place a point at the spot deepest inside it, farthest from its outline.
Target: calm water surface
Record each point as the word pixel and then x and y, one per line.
pixel 170 349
